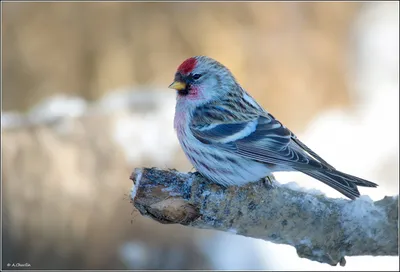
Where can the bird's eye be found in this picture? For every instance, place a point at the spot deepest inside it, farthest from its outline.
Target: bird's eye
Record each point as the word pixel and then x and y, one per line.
pixel 196 76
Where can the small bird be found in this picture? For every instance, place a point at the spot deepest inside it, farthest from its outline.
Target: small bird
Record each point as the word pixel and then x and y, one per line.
pixel 231 140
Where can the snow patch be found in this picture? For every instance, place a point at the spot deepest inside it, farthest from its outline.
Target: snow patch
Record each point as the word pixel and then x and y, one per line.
pixel 362 213
pixel 138 177
pixel 296 187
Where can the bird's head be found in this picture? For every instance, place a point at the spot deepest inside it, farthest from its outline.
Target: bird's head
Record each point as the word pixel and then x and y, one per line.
pixel 201 79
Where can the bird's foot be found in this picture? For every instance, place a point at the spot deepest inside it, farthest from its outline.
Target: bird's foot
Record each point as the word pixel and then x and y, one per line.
pixel 269 182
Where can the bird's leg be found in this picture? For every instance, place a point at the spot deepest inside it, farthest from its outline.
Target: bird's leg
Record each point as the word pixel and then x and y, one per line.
pixel 269 181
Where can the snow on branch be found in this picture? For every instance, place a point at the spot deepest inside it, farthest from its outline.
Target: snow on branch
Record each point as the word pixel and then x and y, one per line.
pixel 320 228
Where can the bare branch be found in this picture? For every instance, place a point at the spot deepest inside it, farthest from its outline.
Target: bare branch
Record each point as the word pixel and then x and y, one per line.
pixel 320 228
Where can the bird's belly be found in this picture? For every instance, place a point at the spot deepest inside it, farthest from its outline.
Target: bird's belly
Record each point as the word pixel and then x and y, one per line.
pixel 223 167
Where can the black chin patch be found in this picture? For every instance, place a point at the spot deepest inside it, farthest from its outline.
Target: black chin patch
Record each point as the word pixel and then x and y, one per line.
pixel 183 92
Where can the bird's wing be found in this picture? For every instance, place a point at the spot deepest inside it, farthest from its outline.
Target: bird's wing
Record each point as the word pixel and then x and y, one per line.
pixel 259 137
pixel 309 151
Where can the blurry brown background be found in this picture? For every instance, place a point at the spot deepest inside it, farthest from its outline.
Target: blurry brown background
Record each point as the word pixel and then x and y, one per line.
pixel 274 49
pixel 64 192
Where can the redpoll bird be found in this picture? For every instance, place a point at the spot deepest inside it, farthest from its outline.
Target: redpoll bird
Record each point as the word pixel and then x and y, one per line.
pixel 231 140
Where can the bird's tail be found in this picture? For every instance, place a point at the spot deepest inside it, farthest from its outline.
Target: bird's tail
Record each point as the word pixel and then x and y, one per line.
pixel 342 182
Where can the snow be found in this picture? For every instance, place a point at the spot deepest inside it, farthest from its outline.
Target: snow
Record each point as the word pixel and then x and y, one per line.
pixel 138 177
pixel 296 187
pixel 361 210
pixel 356 141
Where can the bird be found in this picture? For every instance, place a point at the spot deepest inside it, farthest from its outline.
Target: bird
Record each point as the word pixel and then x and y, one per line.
pixel 231 140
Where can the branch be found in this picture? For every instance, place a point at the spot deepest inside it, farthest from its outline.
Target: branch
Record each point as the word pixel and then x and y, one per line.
pixel 320 228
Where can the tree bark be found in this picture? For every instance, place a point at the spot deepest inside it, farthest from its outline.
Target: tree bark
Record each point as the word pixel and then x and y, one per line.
pixel 320 228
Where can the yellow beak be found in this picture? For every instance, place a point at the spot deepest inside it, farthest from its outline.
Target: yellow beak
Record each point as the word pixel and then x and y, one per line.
pixel 178 85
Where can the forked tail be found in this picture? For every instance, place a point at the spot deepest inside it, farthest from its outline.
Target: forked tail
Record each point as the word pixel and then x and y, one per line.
pixel 342 182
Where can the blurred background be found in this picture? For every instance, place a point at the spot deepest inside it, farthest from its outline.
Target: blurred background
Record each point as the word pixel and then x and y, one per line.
pixel 84 102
